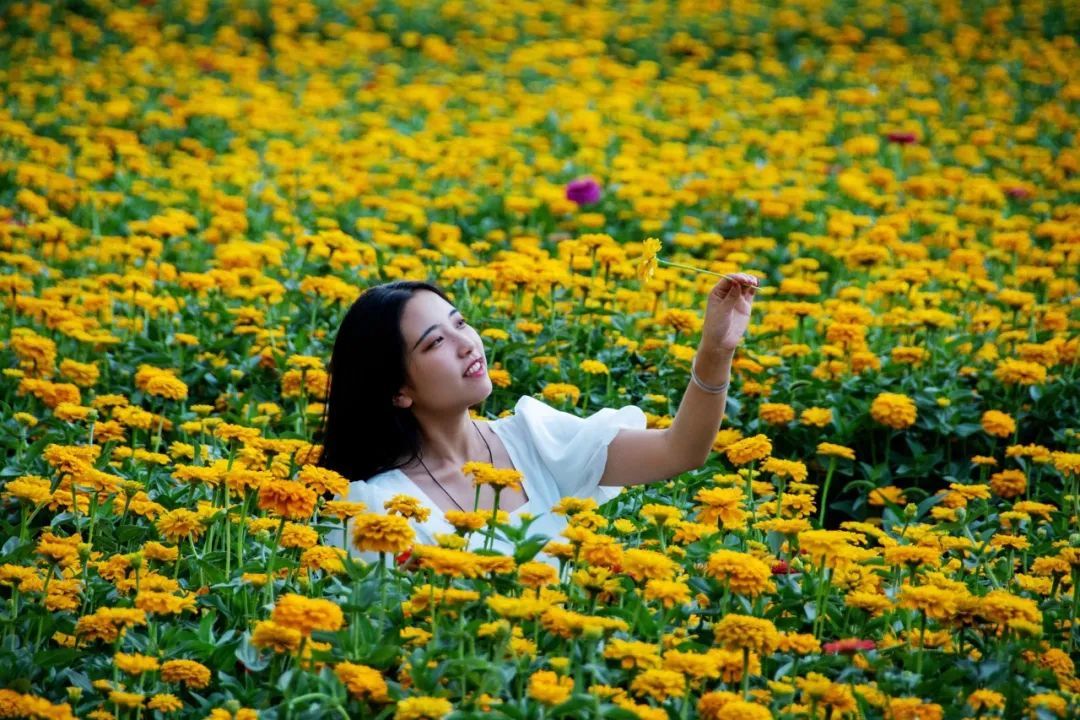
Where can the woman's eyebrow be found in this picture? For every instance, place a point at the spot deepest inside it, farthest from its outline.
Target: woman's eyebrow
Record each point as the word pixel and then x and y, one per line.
pixel 425 334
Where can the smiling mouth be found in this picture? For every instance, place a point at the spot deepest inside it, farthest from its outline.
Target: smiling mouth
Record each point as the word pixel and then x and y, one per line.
pixel 475 368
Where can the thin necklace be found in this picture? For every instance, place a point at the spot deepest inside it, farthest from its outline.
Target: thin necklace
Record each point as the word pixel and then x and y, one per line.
pixel 491 457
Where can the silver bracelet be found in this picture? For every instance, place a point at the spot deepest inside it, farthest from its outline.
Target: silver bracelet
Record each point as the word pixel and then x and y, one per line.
pixel 711 389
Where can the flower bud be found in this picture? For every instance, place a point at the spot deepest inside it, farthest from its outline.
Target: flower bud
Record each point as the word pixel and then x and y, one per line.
pixel 911 510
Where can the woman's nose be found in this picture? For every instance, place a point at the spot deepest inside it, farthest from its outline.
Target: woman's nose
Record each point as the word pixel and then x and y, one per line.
pixel 466 345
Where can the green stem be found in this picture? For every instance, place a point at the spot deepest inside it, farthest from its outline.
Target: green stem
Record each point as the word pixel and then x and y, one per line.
pixel 825 491
pixel 746 674
pixel 270 562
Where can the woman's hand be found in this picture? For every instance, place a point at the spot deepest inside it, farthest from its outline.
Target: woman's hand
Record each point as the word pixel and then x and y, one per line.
pixel 727 313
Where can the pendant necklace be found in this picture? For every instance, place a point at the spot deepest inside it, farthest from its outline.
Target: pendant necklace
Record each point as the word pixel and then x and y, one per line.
pixel 491 457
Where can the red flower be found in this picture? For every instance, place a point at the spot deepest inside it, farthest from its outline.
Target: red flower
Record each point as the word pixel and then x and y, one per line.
pixel 1018 192
pixel 782 568
pixel 904 138
pixel 403 557
pixel 850 645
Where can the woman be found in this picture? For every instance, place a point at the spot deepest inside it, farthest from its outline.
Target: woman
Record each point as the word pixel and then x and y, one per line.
pixel 407 366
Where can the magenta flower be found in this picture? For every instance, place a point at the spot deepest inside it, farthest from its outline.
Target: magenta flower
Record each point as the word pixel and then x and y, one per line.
pixel 583 191
pixel 903 138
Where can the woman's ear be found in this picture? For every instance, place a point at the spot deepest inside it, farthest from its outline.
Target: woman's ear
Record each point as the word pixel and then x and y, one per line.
pixel 402 400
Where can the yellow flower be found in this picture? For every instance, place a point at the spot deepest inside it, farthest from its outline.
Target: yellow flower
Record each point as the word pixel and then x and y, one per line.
pixel 711 704
pixel 407 507
pixel 134 663
pixel 321 557
pixel 166 386
pixel 165 703
pixel 748 450
pixel 449 563
pixel 342 509
pixel 594 367
pixel 465 521
pixel 362 682
pixel 1008 483
pixel 323 480
pixel 667 592
pixel 550 689
pixel 632 653
pixel 659 684
pixel 422 708
pixel 648 262
pixel 986 700
pixel 287 499
pixel 193 674
pixel 179 524
pixel 816 417
pixel 998 424
pixel 1066 463
pixel 1020 372
pixel 127 699
pixel 895 410
pixel 792 469
pixel 33 489
pixel 537 574
pixel 648 565
pixel 776 413
pixel 305 615
pixel 890 494
pixel 745 632
pixel 936 602
pixel 486 474
pixel 281 639
pixel 912 555
pixel 743 710
pixel 557 392
pixel 833 547
pixel 721 504
pixel 742 573
pixel 499 377
pixel 1000 606
pixel 660 515
pixel 382 533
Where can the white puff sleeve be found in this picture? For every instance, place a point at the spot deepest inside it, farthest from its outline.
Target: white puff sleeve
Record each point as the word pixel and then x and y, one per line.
pixel 574 449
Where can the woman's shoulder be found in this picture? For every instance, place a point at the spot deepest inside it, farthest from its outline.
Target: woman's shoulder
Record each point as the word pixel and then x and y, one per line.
pixel 534 413
pixel 381 484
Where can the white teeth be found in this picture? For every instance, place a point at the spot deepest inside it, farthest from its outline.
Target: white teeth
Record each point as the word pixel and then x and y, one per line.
pixel 473 368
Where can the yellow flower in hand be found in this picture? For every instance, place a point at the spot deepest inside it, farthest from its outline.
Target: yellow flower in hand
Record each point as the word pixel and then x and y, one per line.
pixel 647 264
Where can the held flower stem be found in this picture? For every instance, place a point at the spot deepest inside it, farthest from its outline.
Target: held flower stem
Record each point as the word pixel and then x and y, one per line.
pixel 700 270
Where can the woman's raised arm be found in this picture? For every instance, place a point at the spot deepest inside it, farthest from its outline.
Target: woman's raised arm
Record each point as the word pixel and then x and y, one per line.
pixel 641 456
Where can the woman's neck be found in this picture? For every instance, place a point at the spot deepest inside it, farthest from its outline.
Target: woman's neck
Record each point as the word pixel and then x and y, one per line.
pixel 450 440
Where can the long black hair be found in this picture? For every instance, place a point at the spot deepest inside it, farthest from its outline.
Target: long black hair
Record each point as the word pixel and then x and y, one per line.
pixel 364 432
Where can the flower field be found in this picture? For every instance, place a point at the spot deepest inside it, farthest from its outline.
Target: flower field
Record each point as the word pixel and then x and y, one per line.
pixel 193 193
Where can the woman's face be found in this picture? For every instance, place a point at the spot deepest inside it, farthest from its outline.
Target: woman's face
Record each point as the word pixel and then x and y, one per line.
pixel 441 354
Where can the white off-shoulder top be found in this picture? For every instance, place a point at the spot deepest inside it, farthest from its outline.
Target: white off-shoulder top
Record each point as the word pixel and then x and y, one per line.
pixel 559 455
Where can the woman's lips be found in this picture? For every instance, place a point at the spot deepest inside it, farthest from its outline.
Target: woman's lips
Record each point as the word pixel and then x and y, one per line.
pixel 479 372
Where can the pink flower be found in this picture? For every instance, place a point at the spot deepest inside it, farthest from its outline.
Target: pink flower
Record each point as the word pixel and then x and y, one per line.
pixel 583 191
pixel 1018 192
